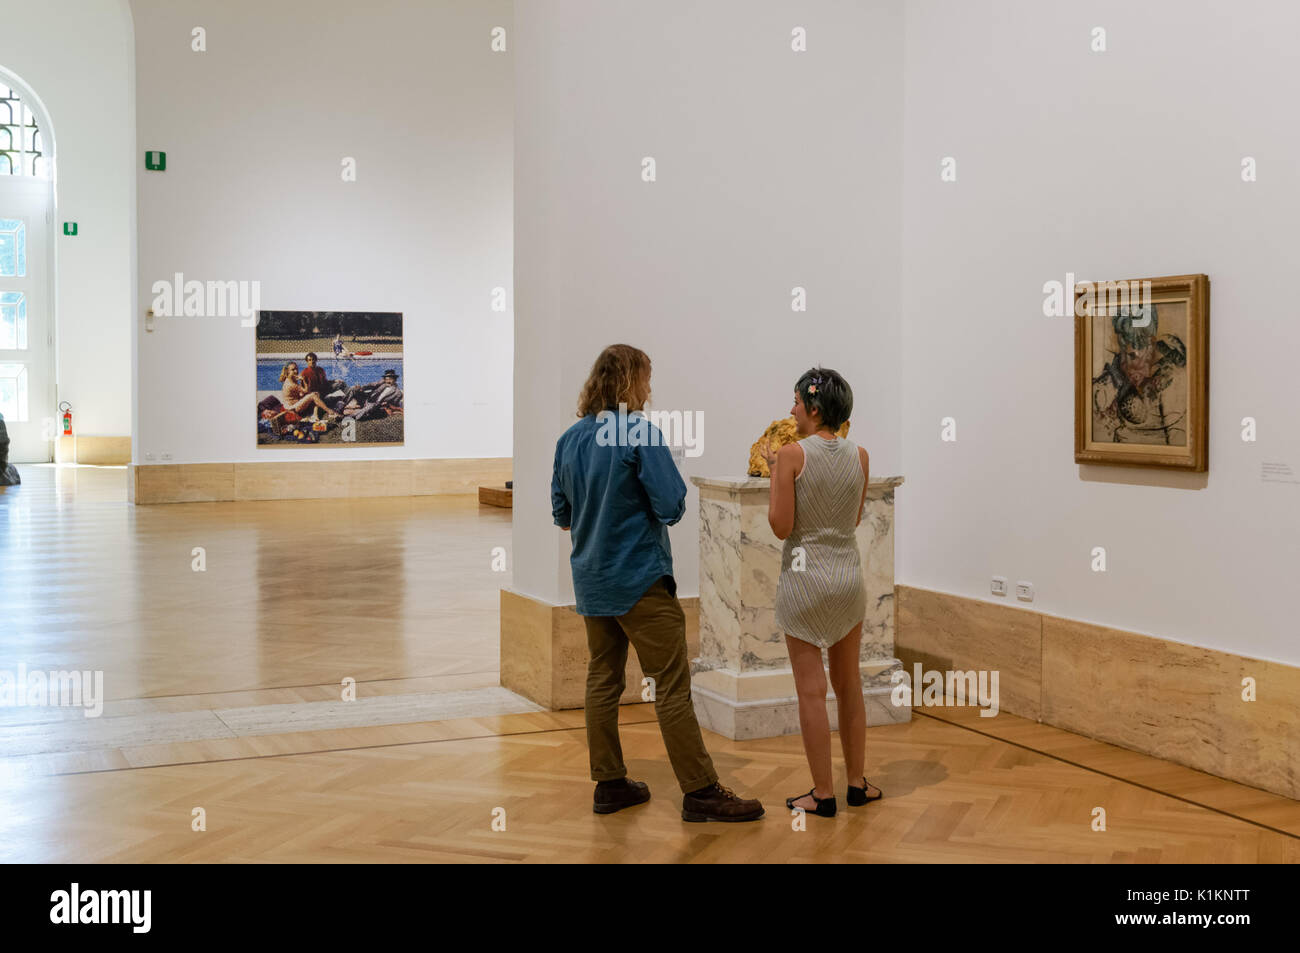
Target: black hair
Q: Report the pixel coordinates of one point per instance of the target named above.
(825, 391)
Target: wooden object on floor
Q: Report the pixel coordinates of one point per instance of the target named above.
(496, 496)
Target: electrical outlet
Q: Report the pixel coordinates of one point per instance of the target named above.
(998, 586)
(166, 455)
(148, 454)
(1025, 591)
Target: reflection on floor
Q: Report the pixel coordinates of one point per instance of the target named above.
(291, 594)
(224, 692)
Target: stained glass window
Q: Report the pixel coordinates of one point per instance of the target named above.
(21, 147)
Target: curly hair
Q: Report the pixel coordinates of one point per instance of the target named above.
(284, 371)
(618, 377)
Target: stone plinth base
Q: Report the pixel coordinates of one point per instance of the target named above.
(764, 705)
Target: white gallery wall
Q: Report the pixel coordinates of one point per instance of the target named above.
(256, 130)
(1117, 164)
(77, 57)
(775, 169)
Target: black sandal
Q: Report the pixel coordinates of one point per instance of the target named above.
(858, 796)
(825, 805)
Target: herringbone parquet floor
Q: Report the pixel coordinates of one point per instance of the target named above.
(953, 795)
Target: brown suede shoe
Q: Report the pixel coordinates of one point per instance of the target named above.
(717, 803)
(613, 796)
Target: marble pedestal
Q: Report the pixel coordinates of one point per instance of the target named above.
(742, 682)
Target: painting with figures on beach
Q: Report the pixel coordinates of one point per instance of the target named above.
(330, 378)
(1142, 364)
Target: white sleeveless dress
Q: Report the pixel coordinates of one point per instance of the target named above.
(822, 602)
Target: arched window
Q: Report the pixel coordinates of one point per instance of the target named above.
(27, 385)
(21, 150)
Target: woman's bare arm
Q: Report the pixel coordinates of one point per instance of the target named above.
(780, 501)
(866, 479)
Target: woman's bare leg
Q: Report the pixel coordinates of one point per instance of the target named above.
(846, 680)
(810, 685)
(312, 400)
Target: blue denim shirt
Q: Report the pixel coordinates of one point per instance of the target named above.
(618, 498)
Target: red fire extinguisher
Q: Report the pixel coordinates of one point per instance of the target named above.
(67, 418)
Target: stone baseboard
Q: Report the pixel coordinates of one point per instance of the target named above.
(93, 451)
(312, 479)
(1178, 702)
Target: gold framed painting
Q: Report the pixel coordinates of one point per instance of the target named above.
(1142, 372)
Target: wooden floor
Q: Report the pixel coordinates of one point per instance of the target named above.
(296, 593)
(225, 698)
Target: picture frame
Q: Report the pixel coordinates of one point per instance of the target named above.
(1142, 372)
(329, 379)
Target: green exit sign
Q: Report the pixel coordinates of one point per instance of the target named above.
(155, 161)
(69, 228)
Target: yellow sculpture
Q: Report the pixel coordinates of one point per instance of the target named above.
(778, 435)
